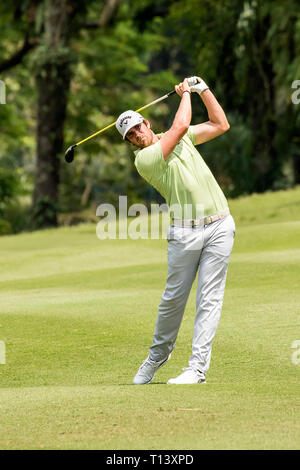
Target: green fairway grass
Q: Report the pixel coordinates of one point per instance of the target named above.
(77, 318)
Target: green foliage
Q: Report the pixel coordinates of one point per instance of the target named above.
(248, 52)
(249, 55)
(5, 227)
(13, 212)
(9, 188)
(112, 76)
(44, 213)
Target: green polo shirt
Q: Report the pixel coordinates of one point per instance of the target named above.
(184, 179)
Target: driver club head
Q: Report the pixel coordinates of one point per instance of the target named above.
(69, 155)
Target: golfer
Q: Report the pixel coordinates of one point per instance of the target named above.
(197, 245)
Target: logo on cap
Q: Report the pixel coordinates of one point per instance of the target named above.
(124, 120)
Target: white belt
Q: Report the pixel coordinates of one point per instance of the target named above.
(203, 221)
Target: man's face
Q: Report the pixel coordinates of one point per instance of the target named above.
(140, 135)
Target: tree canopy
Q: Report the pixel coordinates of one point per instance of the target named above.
(71, 67)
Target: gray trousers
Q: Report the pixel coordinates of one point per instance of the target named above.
(204, 250)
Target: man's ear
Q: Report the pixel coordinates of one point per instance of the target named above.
(148, 124)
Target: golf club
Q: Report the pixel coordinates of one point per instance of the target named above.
(69, 155)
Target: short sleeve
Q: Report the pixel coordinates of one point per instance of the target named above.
(149, 161)
(191, 134)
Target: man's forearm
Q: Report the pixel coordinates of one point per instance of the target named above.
(214, 109)
(184, 113)
(181, 121)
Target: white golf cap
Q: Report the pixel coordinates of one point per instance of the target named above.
(127, 120)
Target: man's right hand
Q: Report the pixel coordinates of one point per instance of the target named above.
(183, 86)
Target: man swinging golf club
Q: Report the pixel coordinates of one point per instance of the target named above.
(196, 245)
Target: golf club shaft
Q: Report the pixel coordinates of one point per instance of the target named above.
(138, 110)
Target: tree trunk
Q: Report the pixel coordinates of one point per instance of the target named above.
(52, 104)
(61, 21)
(266, 162)
(296, 167)
(52, 81)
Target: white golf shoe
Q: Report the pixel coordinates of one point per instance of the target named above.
(189, 376)
(148, 370)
